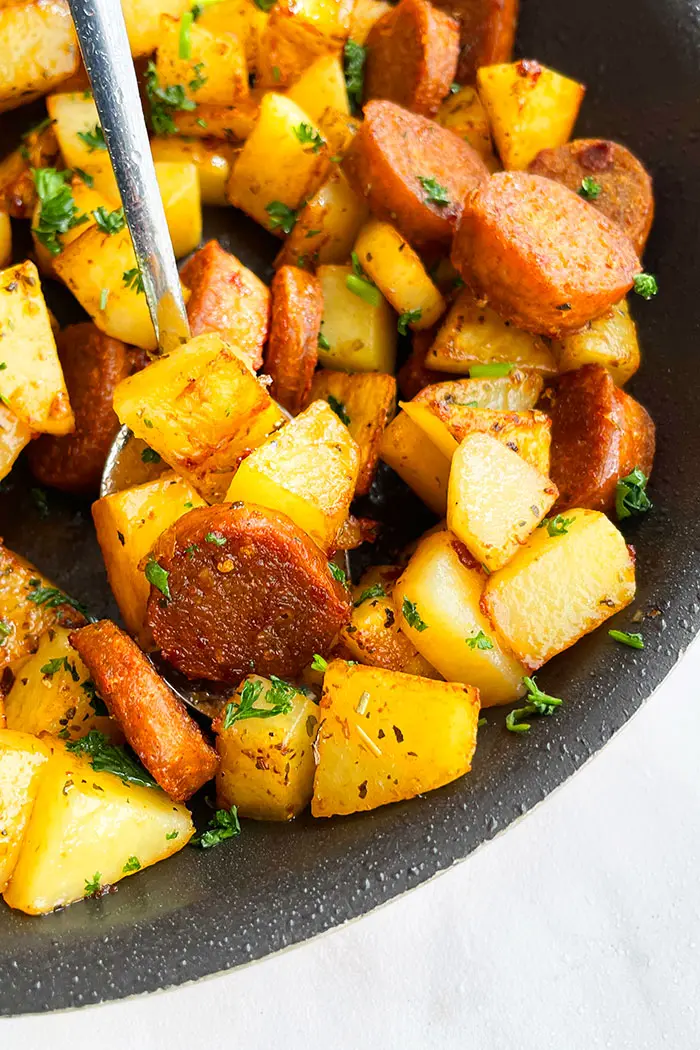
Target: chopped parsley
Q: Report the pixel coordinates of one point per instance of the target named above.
(149, 455)
(93, 886)
(375, 591)
(5, 631)
(339, 409)
(84, 177)
(412, 616)
(106, 757)
(635, 641)
(630, 495)
(58, 212)
(538, 703)
(93, 139)
(323, 342)
(589, 189)
(407, 318)
(354, 56)
(222, 826)
(479, 641)
(133, 279)
(492, 370)
(51, 597)
(104, 296)
(455, 87)
(559, 525)
(132, 864)
(157, 576)
(60, 663)
(109, 221)
(279, 696)
(281, 217)
(265, 5)
(172, 835)
(309, 136)
(184, 49)
(319, 664)
(646, 285)
(216, 538)
(434, 192)
(337, 573)
(165, 101)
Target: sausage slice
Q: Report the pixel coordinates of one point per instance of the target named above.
(413, 173)
(412, 56)
(487, 31)
(543, 258)
(625, 192)
(249, 592)
(292, 350)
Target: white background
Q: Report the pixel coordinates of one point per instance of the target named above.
(579, 927)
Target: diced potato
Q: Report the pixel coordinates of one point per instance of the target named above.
(464, 114)
(361, 337)
(39, 149)
(39, 49)
(230, 123)
(267, 764)
(611, 341)
(75, 114)
(212, 159)
(128, 523)
(95, 268)
(530, 108)
(560, 587)
(256, 185)
(52, 692)
(200, 407)
(87, 200)
(338, 129)
(387, 736)
(22, 759)
(437, 601)
(417, 460)
(14, 436)
(495, 499)
(364, 14)
(31, 378)
(142, 19)
(320, 86)
(179, 188)
(474, 334)
(398, 273)
(213, 70)
(308, 471)
(516, 392)
(88, 830)
(298, 31)
(243, 18)
(365, 403)
(327, 225)
(5, 239)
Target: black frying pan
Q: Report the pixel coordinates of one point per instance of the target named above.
(277, 885)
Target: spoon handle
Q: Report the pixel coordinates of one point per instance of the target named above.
(101, 32)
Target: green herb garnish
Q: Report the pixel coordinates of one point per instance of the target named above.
(172, 835)
(319, 664)
(52, 598)
(354, 56)
(92, 886)
(157, 576)
(412, 616)
(93, 139)
(589, 189)
(60, 663)
(58, 212)
(630, 495)
(216, 538)
(479, 641)
(149, 455)
(132, 864)
(281, 217)
(434, 192)
(337, 573)
(363, 288)
(309, 136)
(375, 591)
(407, 318)
(279, 696)
(40, 502)
(106, 757)
(184, 49)
(109, 221)
(164, 102)
(538, 703)
(559, 526)
(635, 641)
(323, 342)
(494, 369)
(646, 285)
(133, 279)
(222, 826)
(339, 409)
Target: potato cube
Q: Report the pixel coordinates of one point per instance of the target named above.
(179, 189)
(86, 200)
(230, 123)
(142, 19)
(308, 471)
(128, 523)
(212, 159)
(464, 114)
(364, 14)
(200, 407)
(14, 436)
(516, 392)
(320, 86)
(338, 129)
(210, 65)
(530, 108)
(39, 149)
(365, 403)
(22, 760)
(419, 462)
(495, 499)
(387, 736)
(77, 128)
(87, 830)
(267, 764)
(298, 31)
(40, 49)
(560, 586)
(610, 340)
(270, 193)
(399, 274)
(242, 18)
(327, 225)
(361, 336)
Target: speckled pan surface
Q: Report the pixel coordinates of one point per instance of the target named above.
(276, 886)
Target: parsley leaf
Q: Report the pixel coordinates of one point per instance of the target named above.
(149, 455)
(589, 189)
(215, 538)
(172, 835)
(375, 591)
(281, 217)
(363, 288)
(94, 139)
(559, 526)
(646, 285)
(157, 576)
(265, 5)
(58, 212)
(51, 597)
(480, 641)
(92, 886)
(279, 696)
(222, 826)
(354, 56)
(407, 318)
(539, 703)
(106, 757)
(339, 409)
(132, 864)
(434, 192)
(411, 615)
(319, 664)
(337, 573)
(630, 495)
(323, 342)
(109, 221)
(133, 279)
(165, 101)
(308, 136)
(635, 641)
(60, 663)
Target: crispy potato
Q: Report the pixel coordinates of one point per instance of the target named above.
(624, 189)
(228, 299)
(128, 523)
(298, 32)
(201, 408)
(487, 30)
(495, 499)
(464, 114)
(364, 15)
(365, 403)
(14, 436)
(327, 225)
(543, 258)
(610, 341)
(414, 374)
(307, 471)
(40, 49)
(320, 86)
(87, 200)
(31, 381)
(155, 721)
(474, 334)
(292, 351)
(392, 152)
(74, 114)
(212, 158)
(398, 272)
(559, 587)
(387, 736)
(441, 587)
(5, 239)
(143, 22)
(530, 108)
(178, 183)
(231, 124)
(213, 68)
(243, 18)
(599, 435)
(261, 189)
(361, 337)
(419, 462)
(412, 56)
(39, 149)
(338, 129)
(22, 761)
(88, 828)
(267, 764)
(517, 392)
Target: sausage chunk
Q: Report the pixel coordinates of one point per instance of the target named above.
(413, 173)
(292, 351)
(542, 257)
(227, 298)
(93, 365)
(412, 56)
(487, 31)
(249, 591)
(625, 194)
(599, 435)
(155, 722)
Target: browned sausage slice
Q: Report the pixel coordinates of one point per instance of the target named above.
(155, 723)
(626, 195)
(413, 173)
(249, 591)
(93, 365)
(599, 435)
(487, 31)
(292, 350)
(412, 56)
(543, 258)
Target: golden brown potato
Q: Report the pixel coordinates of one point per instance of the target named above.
(414, 374)
(17, 189)
(599, 435)
(413, 173)
(22, 758)
(609, 176)
(542, 257)
(423, 466)
(39, 49)
(326, 225)
(517, 392)
(412, 56)
(610, 340)
(487, 30)
(292, 350)
(232, 124)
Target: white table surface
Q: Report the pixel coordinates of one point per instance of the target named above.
(577, 928)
